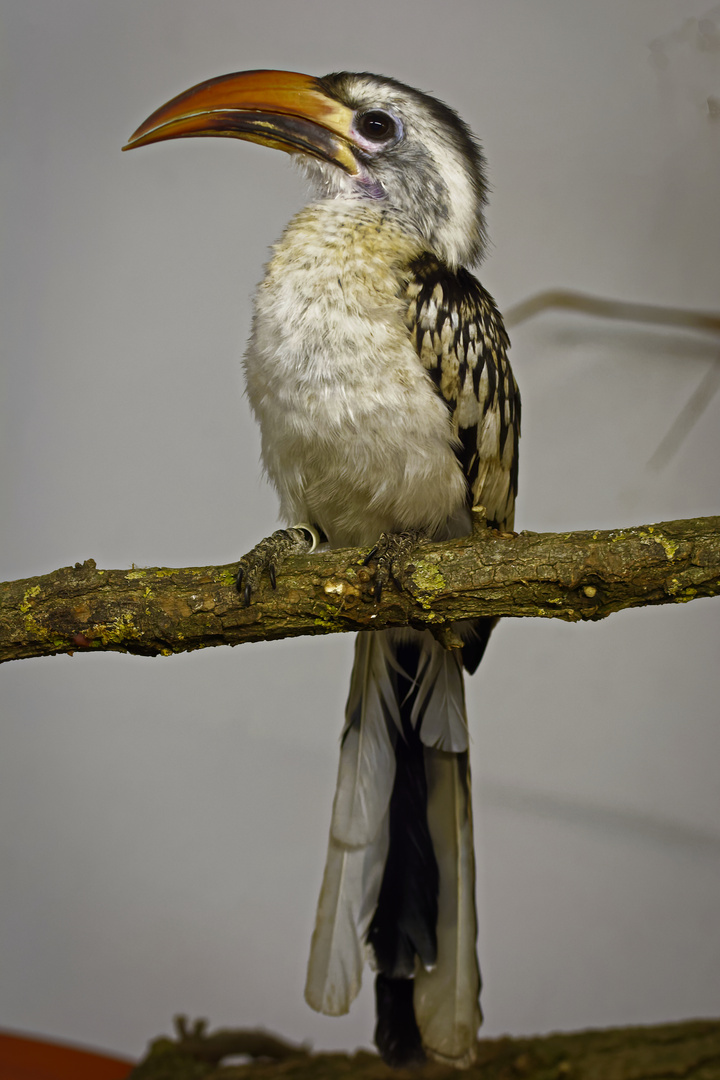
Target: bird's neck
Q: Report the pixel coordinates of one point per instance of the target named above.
(358, 238)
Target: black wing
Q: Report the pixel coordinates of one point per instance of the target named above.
(461, 341)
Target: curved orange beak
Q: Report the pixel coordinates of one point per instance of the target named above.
(283, 109)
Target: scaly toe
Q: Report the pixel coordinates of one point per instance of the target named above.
(267, 557)
(391, 554)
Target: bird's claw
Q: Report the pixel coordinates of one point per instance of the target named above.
(391, 554)
(268, 556)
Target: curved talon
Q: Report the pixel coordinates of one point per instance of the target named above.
(247, 594)
(271, 574)
(368, 558)
(239, 578)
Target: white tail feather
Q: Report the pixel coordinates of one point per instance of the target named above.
(367, 758)
(347, 901)
(446, 999)
(359, 838)
(442, 696)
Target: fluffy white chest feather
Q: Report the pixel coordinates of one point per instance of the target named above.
(355, 437)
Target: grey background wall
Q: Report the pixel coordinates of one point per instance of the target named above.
(163, 822)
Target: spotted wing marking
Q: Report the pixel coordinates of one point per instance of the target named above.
(461, 341)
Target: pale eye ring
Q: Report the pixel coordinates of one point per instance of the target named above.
(377, 126)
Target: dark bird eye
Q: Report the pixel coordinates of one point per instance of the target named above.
(376, 125)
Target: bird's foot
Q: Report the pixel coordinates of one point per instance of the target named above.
(270, 554)
(390, 555)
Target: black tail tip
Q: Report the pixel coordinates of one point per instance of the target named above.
(397, 1035)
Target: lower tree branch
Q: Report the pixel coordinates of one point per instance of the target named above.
(690, 1050)
(573, 576)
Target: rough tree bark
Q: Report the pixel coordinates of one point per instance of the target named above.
(572, 576)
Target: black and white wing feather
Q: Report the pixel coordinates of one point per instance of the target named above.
(462, 344)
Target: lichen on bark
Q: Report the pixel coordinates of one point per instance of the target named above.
(159, 611)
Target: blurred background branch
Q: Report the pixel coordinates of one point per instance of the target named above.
(704, 322)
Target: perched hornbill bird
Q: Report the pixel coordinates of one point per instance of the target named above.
(377, 370)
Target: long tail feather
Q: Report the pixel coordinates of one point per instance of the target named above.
(399, 884)
(358, 843)
(367, 760)
(446, 999)
(403, 926)
(347, 900)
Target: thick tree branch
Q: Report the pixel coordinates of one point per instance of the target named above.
(572, 576)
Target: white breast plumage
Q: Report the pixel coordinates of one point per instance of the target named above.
(355, 436)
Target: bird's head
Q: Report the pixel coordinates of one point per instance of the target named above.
(358, 136)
